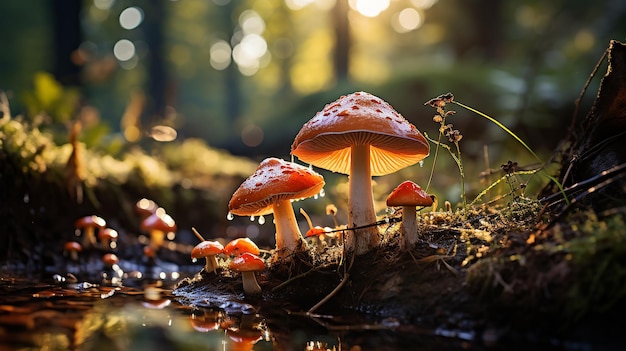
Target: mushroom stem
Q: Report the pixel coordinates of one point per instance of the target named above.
(211, 264)
(408, 227)
(250, 285)
(89, 238)
(361, 202)
(288, 236)
(156, 238)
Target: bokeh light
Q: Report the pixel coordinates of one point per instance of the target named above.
(103, 4)
(407, 20)
(220, 55)
(131, 18)
(369, 8)
(252, 135)
(124, 50)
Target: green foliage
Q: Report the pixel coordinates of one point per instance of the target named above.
(50, 97)
(597, 253)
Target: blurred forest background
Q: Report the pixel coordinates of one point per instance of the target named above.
(244, 75)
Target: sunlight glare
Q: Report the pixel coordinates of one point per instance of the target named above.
(369, 8)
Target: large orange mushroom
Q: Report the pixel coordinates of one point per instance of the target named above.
(270, 190)
(408, 195)
(362, 136)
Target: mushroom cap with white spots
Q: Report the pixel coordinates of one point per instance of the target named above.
(273, 181)
(360, 118)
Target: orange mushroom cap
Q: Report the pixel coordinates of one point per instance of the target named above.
(247, 262)
(273, 181)
(325, 141)
(317, 231)
(409, 194)
(163, 222)
(108, 233)
(90, 221)
(241, 245)
(207, 248)
(145, 207)
(72, 246)
(110, 259)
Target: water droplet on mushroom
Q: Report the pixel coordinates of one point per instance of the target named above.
(230, 216)
(322, 193)
(261, 220)
(194, 260)
(251, 218)
(421, 163)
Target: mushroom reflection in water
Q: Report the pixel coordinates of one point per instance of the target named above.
(270, 190)
(362, 136)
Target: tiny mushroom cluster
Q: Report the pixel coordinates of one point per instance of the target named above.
(363, 136)
(244, 258)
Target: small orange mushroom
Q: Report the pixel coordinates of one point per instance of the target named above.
(240, 245)
(108, 238)
(157, 225)
(88, 225)
(72, 248)
(207, 250)
(408, 195)
(247, 264)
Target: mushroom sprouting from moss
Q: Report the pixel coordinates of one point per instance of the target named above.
(270, 190)
(247, 264)
(408, 195)
(362, 136)
(208, 250)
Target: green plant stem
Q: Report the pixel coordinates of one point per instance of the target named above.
(457, 159)
(503, 127)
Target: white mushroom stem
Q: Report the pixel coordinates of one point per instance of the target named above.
(250, 285)
(211, 264)
(361, 203)
(408, 227)
(288, 236)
